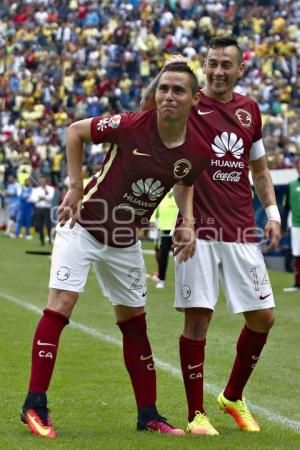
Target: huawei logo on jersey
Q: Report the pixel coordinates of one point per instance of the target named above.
(228, 143)
(152, 188)
(244, 117)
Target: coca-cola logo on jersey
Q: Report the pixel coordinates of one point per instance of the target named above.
(229, 145)
(232, 177)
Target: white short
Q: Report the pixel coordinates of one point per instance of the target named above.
(239, 267)
(120, 271)
(295, 241)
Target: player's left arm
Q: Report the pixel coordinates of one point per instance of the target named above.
(184, 236)
(265, 191)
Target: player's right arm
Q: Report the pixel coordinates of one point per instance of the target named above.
(78, 133)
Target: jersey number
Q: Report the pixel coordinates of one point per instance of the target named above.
(255, 279)
(136, 274)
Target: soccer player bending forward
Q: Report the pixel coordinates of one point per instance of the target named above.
(150, 153)
(226, 244)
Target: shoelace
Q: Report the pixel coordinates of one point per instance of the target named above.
(163, 424)
(43, 414)
(243, 409)
(201, 418)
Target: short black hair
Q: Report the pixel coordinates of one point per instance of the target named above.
(226, 41)
(184, 68)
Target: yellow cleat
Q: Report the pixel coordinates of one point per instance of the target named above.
(239, 411)
(201, 425)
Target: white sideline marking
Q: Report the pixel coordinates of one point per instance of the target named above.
(211, 388)
(148, 252)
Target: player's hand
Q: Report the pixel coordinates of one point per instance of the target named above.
(184, 242)
(175, 59)
(70, 206)
(273, 234)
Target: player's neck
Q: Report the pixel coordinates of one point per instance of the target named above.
(172, 134)
(224, 98)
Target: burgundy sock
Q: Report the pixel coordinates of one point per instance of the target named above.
(297, 270)
(138, 360)
(44, 349)
(192, 361)
(249, 348)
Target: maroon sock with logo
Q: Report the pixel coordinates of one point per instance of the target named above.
(249, 348)
(138, 360)
(44, 349)
(297, 270)
(192, 360)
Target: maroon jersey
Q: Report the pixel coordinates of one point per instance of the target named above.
(223, 196)
(137, 173)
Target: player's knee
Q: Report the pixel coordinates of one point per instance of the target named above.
(196, 323)
(270, 321)
(62, 301)
(196, 328)
(260, 321)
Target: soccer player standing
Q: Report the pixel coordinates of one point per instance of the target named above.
(150, 152)
(226, 245)
(292, 203)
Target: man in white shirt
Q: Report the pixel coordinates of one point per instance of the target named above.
(42, 197)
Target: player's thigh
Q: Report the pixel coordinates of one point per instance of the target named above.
(295, 241)
(196, 280)
(245, 277)
(71, 258)
(122, 276)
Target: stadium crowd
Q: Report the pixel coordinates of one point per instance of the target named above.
(64, 60)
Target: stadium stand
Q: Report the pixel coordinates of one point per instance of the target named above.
(63, 60)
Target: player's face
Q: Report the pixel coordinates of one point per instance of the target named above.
(174, 97)
(222, 68)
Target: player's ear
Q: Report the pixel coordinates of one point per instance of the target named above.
(204, 66)
(241, 70)
(196, 99)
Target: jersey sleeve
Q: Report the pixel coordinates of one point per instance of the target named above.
(106, 129)
(257, 150)
(257, 121)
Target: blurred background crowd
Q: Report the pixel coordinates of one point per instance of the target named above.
(65, 60)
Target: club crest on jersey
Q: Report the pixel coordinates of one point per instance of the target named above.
(112, 122)
(186, 291)
(63, 273)
(182, 168)
(244, 117)
(152, 188)
(228, 143)
(132, 210)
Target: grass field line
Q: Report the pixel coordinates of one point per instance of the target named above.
(211, 388)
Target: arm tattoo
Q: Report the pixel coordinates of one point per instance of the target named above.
(264, 190)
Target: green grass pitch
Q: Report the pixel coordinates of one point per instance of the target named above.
(91, 401)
